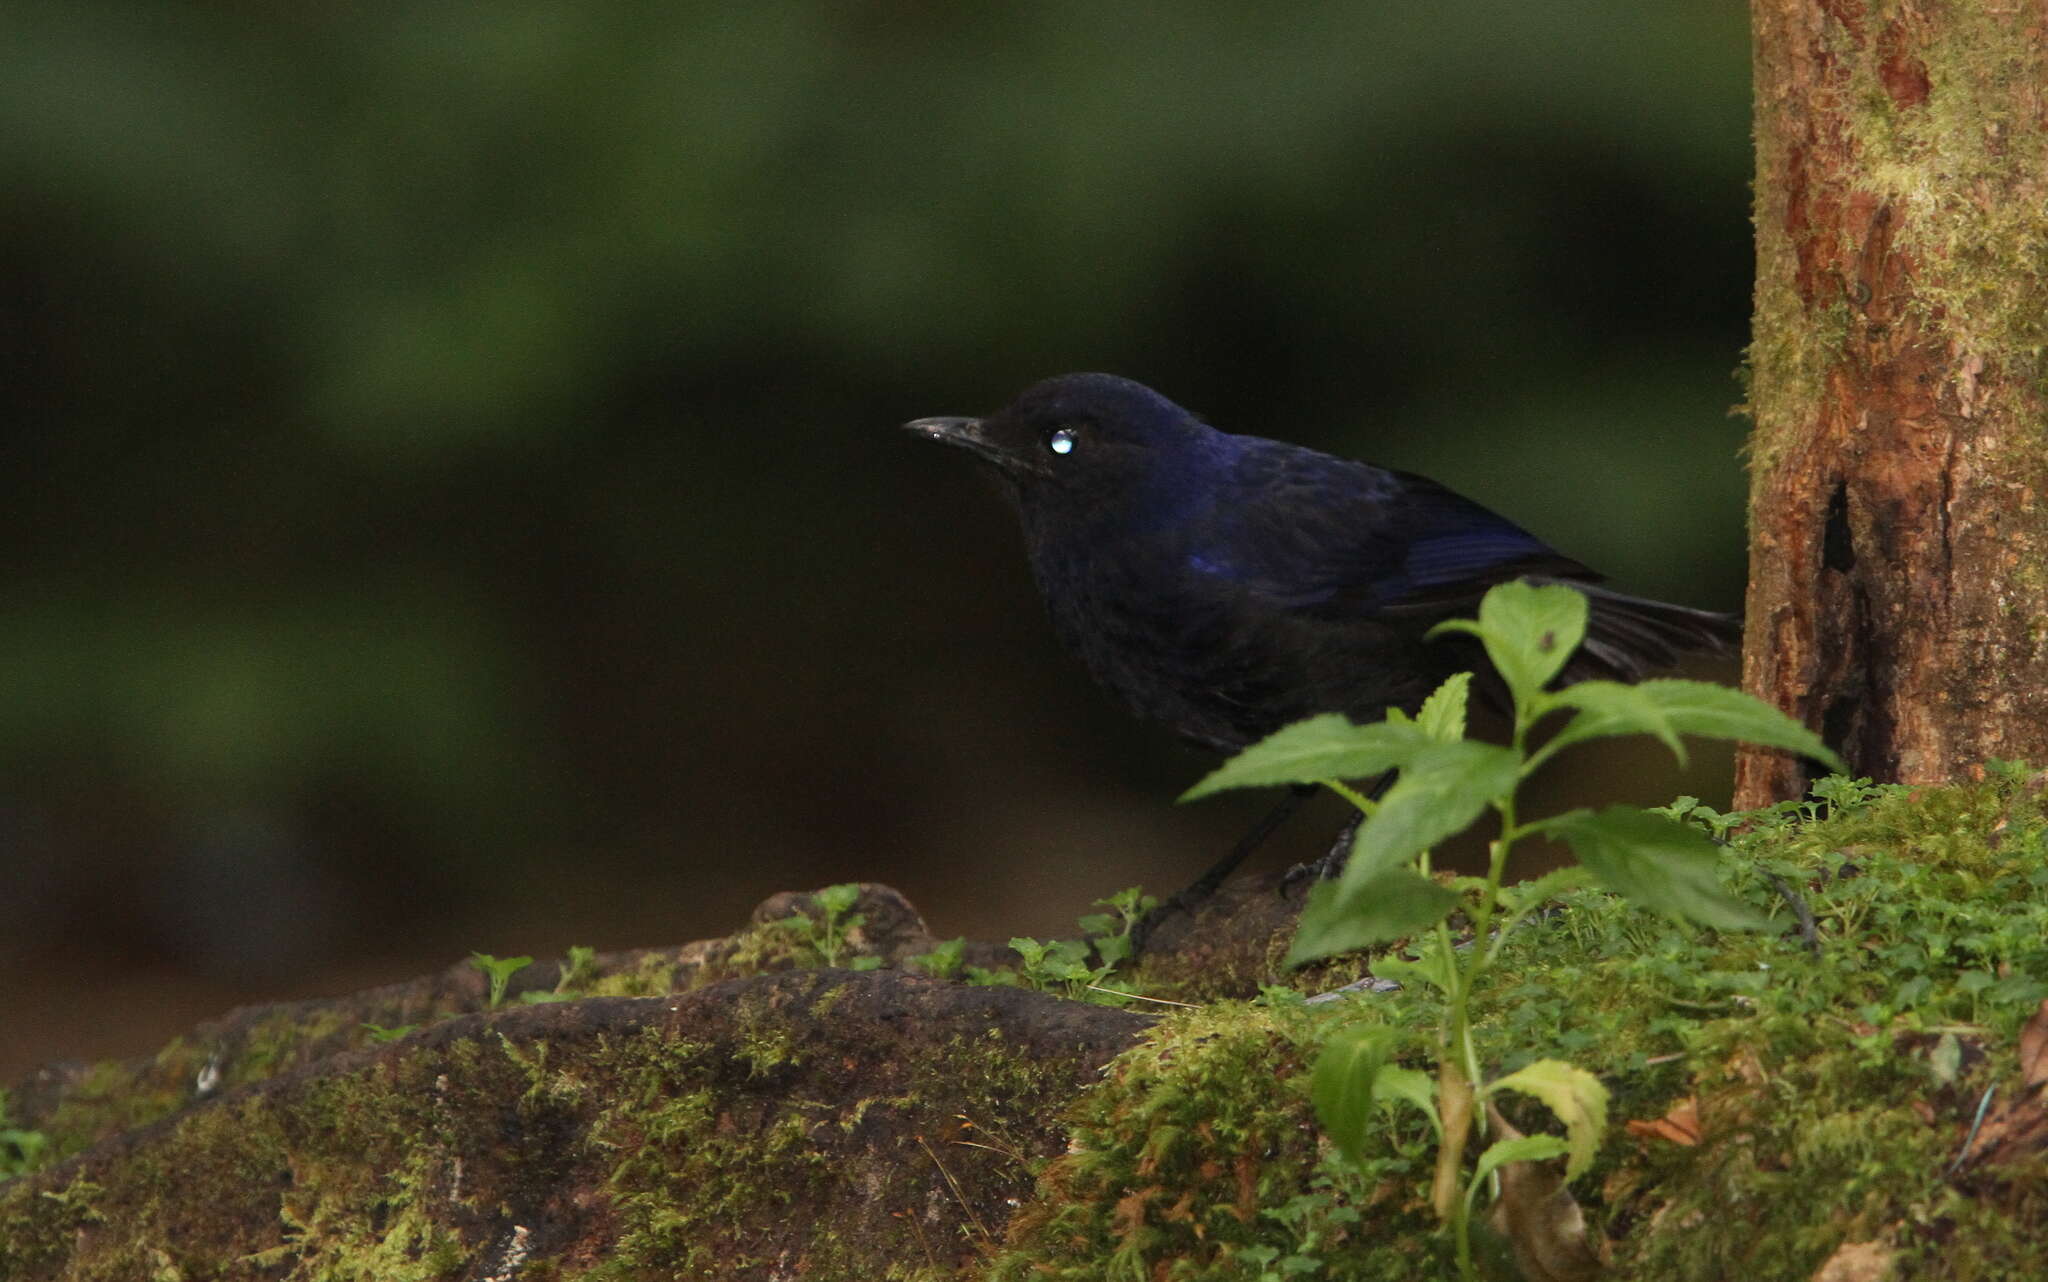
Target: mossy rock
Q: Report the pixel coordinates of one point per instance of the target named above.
(1804, 1104)
(818, 1123)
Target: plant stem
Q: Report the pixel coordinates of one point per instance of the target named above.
(1458, 1076)
(1454, 1106)
(1366, 805)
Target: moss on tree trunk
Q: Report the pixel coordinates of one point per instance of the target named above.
(1898, 596)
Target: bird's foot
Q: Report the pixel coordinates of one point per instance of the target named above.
(1330, 865)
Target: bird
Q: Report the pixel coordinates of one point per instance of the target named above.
(1224, 586)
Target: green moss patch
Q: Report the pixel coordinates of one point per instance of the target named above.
(1833, 1087)
(813, 1124)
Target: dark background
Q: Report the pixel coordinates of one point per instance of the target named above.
(449, 495)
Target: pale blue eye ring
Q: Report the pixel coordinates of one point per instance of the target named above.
(1061, 441)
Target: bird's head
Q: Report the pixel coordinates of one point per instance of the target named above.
(1077, 433)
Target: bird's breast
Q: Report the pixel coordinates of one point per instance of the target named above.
(1165, 631)
(1185, 636)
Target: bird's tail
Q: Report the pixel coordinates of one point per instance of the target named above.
(1628, 638)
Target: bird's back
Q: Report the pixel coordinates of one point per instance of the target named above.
(1264, 584)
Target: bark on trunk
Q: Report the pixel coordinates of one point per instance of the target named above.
(1898, 591)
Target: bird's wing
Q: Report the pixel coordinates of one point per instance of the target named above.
(1335, 539)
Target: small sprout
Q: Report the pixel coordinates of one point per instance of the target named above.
(826, 933)
(499, 970)
(943, 961)
(578, 969)
(21, 1151)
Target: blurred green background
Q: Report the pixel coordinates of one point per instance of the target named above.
(451, 492)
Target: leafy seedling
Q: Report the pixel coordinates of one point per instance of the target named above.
(1446, 782)
(499, 971)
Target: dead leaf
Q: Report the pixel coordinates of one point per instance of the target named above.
(1247, 1188)
(1857, 1262)
(1129, 1215)
(2008, 1132)
(1540, 1219)
(2034, 1048)
(2019, 1126)
(1681, 1125)
(1454, 1107)
(1945, 1061)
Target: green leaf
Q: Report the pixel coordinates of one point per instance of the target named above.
(1393, 906)
(1945, 1061)
(1111, 951)
(835, 900)
(1396, 1084)
(1341, 1086)
(499, 971)
(1528, 631)
(1442, 717)
(1611, 708)
(1658, 862)
(1721, 712)
(1575, 1095)
(1439, 793)
(1668, 706)
(1324, 747)
(943, 961)
(1550, 885)
(1525, 1148)
(1429, 969)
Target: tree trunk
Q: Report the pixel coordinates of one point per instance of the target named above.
(1898, 587)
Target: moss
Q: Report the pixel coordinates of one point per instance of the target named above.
(784, 944)
(1198, 1157)
(1961, 170)
(695, 1168)
(808, 1127)
(1234, 949)
(108, 1099)
(780, 1142)
(1828, 1109)
(39, 1235)
(649, 975)
(279, 1042)
(1964, 168)
(368, 1174)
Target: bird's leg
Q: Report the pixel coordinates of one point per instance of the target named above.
(1332, 863)
(1206, 884)
(1333, 860)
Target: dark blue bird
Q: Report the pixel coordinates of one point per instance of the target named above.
(1225, 586)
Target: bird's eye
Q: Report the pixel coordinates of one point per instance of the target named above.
(1062, 440)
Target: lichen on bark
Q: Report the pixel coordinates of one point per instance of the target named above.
(1898, 594)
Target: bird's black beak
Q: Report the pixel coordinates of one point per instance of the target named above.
(963, 432)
